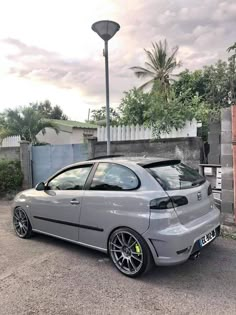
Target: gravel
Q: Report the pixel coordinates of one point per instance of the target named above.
(43, 275)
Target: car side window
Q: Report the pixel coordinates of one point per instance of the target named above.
(73, 179)
(109, 176)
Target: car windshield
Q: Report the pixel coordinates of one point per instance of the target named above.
(176, 176)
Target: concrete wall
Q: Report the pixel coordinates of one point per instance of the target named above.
(10, 153)
(227, 166)
(186, 149)
(233, 108)
(214, 140)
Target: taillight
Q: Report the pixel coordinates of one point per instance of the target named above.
(209, 191)
(161, 203)
(168, 202)
(179, 201)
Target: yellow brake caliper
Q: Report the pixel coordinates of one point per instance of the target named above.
(137, 249)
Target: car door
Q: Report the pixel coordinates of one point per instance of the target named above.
(56, 210)
(113, 199)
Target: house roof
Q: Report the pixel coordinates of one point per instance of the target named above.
(73, 124)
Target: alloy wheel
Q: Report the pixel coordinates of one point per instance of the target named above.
(21, 222)
(126, 252)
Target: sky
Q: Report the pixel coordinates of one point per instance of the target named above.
(48, 50)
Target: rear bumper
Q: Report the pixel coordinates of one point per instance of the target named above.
(197, 247)
(175, 244)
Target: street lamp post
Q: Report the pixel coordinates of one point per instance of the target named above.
(106, 30)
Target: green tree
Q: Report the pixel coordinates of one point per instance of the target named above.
(25, 122)
(217, 85)
(211, 84)
(159, 66)
(98, 116)
(133, 107)
(11, 176)
(194, 81)
(232, 73)
(47, 110)
(164, 114)
(155, 110)
(198, 94)
(233, 47)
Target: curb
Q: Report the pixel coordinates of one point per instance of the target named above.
(228, 231)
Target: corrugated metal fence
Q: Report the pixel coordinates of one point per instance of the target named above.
(48, 159)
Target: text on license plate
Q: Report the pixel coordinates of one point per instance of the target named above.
(207, 238)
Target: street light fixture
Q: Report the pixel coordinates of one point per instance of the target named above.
(106, 30)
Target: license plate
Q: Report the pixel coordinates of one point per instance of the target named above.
(207, 238)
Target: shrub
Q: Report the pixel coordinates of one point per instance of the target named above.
(11, 176)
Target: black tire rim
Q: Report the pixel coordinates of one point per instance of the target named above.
(20, 222)
(126, 252)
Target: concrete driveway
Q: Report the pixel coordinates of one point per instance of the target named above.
(48, 276)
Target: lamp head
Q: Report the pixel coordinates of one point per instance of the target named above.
(106, 29)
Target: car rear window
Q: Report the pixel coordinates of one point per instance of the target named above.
(176, 176)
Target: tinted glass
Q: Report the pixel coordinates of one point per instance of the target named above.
(177, 176)
(110, 176)
(73, 179)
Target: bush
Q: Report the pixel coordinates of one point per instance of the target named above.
(11, 176)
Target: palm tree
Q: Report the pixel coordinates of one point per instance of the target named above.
(25, 122)
(159, 66)
(233, 47)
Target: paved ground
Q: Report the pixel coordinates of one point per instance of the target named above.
(48, 276)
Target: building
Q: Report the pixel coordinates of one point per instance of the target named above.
(70, 132)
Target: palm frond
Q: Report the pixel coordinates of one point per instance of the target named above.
(4, 133)
(159, 64)
(141, 72)
(231, 47)
(151, 66)
(152, 59)
(50, 124)
(146, 84)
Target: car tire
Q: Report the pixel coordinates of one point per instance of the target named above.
(129, 252)
(21, 223)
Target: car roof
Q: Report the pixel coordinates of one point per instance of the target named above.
(142, 161)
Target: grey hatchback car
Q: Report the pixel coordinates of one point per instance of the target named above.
(139, 211)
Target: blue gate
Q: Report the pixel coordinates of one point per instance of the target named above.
(48, 159)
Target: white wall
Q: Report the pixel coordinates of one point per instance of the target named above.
(122, 133)
(53, 138)
(64, 137)
(78, 135)
(13, 141)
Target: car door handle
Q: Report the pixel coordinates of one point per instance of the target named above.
(74, 202)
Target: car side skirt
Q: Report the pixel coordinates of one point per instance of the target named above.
(104, 250)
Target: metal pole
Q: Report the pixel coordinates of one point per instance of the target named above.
(107, 99)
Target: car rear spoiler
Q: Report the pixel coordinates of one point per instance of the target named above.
(102, 157)
(159, 163)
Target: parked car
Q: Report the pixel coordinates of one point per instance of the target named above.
(139, 211)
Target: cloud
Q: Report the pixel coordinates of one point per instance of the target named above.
(87, 75)
(35, 63)
(202, 30)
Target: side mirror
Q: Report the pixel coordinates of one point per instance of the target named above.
(40, 186)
